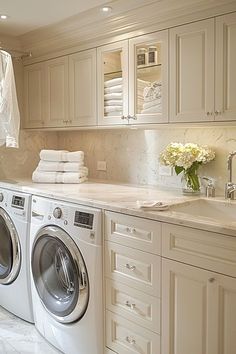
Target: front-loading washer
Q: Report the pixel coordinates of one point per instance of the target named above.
(66, 266)
(15, 289)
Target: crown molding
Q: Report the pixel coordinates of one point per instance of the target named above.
(128, 19)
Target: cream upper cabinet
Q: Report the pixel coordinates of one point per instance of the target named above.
(57, 94)
(148, 78)
(192, 72)
(133, 80)
(198, 310)
(225, 101)
(34, 99)
(112, 83)
(82, 88)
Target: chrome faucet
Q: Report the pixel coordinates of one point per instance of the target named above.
(230, 187)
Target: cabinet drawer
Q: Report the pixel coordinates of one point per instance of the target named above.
(134, 268)
(134, 305)
(125, 337)
(134, 232)
(204, 249)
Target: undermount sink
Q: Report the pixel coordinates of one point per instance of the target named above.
(221, 211)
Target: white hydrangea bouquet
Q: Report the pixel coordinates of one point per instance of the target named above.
(187, 158)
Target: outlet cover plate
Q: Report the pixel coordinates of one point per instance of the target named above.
(101, 165)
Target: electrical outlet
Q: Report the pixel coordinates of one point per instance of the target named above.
(101, 165)
(165, 170)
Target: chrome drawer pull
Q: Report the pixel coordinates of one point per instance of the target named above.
(131, 306)
(132, 230)
(128, 266)
(130, 340)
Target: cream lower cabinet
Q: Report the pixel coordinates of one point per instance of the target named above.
(133, 284)
(198, 311)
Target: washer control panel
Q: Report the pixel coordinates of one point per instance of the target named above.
(57, 213)
(83, 219)
(18, 202)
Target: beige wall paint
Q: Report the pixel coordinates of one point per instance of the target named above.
(132, 155)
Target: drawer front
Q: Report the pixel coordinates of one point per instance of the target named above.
(204, 249)
(134, 268)
(125, 337)
(134, 232)
(134, 305)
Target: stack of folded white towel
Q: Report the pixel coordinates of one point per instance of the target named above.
(60, 166)
(141, 86)
(113, 97)
(152, 95)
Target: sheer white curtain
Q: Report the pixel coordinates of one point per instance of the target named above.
(9, 111)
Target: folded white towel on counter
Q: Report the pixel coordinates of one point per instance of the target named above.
(58, 177)
(113, 82)
(108, 109)
(152, 205)
(113, 103)
(61, 155)
(113, 96)
(50, 166)
(117, 88)
(153, 109)
(149, 104)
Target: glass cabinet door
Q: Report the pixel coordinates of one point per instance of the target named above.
(148, 86)
(113, 83)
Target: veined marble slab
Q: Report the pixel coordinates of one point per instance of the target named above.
(122, 198)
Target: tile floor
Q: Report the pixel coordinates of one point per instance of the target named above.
(20, 337)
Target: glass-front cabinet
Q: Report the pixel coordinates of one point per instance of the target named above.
(133, 80)
(112, 71)
(148, 78)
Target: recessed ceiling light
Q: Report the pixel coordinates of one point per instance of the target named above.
(3, 17)
(106, 9)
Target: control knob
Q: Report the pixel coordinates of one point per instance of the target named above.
(1, 196)
(57, 213)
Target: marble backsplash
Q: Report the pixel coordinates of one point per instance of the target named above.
(132, 154)
(19, 163)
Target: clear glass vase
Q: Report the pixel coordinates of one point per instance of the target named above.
(190, 184)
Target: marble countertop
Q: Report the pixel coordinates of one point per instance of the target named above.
(122, 198)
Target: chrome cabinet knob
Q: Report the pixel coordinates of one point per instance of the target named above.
(130, 340)
(130, 305)
(57, 213)
(1, 197)
(217, 113)
(211, 280)
(130, 267)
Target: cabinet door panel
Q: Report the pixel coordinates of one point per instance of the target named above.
(57, 92)
(148, 79)
(112, 83)
(34, 90)
(225, 67)
(227, 316)
(187, 324)
(82, 76)
(192, 72)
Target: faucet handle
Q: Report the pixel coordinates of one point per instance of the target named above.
(210, 188)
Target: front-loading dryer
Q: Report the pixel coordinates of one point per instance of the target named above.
(66, 265)
(15, 290)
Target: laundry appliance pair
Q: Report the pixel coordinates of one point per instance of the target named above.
(51, 269)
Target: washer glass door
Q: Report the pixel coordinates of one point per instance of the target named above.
(60, 275)
(9, 250)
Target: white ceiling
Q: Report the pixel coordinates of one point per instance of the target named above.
(28, 15)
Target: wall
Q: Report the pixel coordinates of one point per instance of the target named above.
(132, 155)
(19, 163)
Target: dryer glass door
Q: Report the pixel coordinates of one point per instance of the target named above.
(9, 250)
(60, 275)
